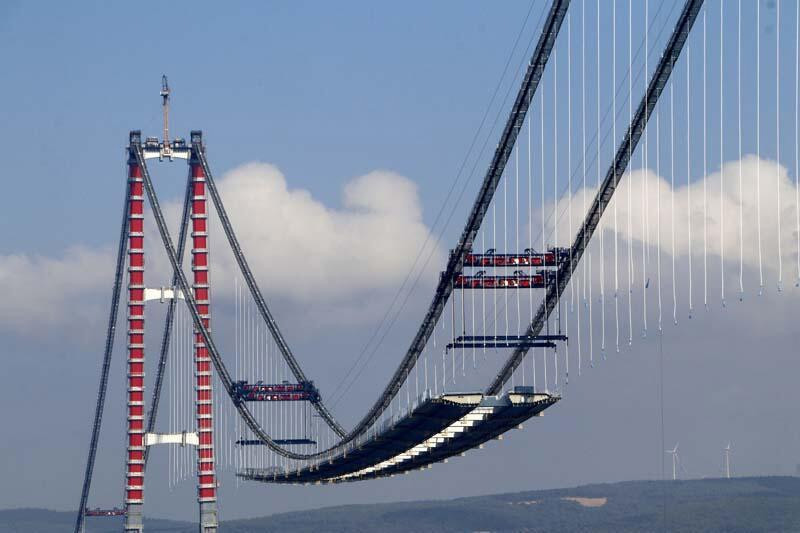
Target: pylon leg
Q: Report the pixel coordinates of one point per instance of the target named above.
(206, 475)
(134, 475)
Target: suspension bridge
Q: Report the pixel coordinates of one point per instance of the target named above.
(240, 399)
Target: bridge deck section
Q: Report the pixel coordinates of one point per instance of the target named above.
(438, 428)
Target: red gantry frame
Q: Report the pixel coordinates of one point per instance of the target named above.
(529, 258)
(280, 392)
(518, 280)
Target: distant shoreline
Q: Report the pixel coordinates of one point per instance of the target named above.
(767, 503)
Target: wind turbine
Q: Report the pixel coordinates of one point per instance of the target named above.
(674, 453)
(727, 452)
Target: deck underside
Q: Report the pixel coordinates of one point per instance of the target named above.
(437, 429)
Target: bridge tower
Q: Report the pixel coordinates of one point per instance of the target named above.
(138, 439)
(140, 434)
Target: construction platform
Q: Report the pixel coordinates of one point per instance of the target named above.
(436, 429)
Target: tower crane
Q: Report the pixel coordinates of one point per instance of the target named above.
(165, 109)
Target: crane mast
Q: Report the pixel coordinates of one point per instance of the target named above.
(165, 107)
(165, 110)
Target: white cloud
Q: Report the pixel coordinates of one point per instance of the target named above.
(299, 249)
(686, 206)
(40, 292)
(324, 258)
(303, 250)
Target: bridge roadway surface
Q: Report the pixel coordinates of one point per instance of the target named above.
(436, 429)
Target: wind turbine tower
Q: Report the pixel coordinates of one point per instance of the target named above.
(728, 460)
(674, 453)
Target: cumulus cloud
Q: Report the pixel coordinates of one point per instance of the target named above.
(767, 194)
(40, 292)
(299, 249)
(308, 253)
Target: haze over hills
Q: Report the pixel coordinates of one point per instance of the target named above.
(708, 505)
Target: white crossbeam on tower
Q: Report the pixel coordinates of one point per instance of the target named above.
(184, 438)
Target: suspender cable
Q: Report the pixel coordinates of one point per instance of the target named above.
(483, 290)
(672, 197)
(583, 158)
(453, 335)
(505, 241)
(171, 404)
(444, 373)
(530, 242)
(474, 363)
(543, 232)
(658, 219)
(555, 164)
(591, 320)
(721, 158)
(777, 128)
(616, 176)
(797, 134)
(463, 332)
(630, 188)
(645, 189)
(425, 357)
(555, 193)
(516, 212)
(602, 229)
(569, 141)
(605, 193)
(739, 130)
(705, 174)
(758, 145)
(689, 168)
(569, 181)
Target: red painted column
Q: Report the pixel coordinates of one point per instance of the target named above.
(134, 474)
(206, 474)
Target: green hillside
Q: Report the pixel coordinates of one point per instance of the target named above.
(735, 505)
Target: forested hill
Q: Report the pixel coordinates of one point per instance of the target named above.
(719, 505)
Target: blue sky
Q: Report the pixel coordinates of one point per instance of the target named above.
(323, 91)
(328, 93)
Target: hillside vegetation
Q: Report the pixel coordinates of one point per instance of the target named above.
(709, 505)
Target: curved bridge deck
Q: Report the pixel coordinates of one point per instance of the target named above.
(438, 428)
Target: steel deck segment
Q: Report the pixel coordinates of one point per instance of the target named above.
(499, 344)
(104, 512)
(455, 430)
(282, 442)
(499, 422)
(489, 338)
(504, 416)
(426, 420)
